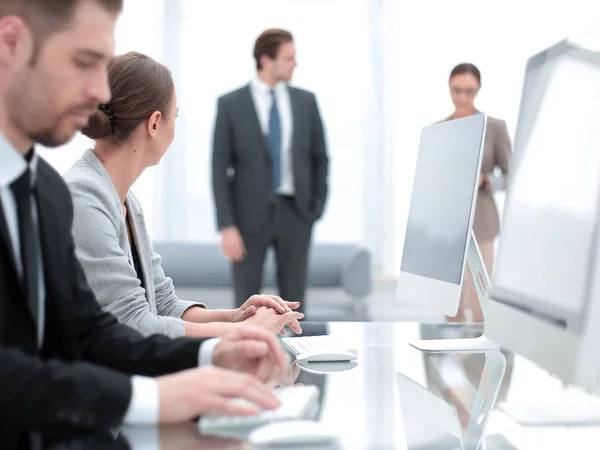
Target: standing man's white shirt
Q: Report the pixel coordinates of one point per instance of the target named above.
(263, 101)
(144, 405)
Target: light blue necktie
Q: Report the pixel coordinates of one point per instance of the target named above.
(274, 142)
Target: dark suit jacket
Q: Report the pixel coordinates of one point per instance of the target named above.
(80, 378)
(243, 195)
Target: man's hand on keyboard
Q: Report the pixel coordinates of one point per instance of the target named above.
(271, 320)
(188, 394)
(251, 350)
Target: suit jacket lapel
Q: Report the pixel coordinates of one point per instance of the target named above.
(6, 241)
(47, 222)
(137, 219)
(59, 318)
(249, 110)
(5, 237)
(52, 260)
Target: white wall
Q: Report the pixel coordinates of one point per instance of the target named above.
(216, 41)
(333, 53)
(429, 37)
(139, 29)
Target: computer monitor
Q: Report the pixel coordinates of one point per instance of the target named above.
(545, 295)
(438, 232)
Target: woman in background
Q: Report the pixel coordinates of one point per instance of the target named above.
(465, 82)
(133, 132)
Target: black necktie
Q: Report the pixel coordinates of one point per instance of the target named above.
(29, 241)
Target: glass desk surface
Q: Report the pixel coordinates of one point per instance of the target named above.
(396, 397)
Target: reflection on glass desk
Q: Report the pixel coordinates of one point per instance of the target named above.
(394, 397)
(449, 411)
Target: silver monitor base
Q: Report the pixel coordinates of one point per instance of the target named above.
(482, 283)
(480, 344)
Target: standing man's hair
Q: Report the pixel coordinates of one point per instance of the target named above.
(268, 43)
(44, 17)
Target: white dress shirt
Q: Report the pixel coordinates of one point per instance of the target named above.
(144, 405)
(263, 101)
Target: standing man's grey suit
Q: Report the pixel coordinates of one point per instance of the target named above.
(269, 201)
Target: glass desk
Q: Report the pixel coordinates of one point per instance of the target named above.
(396, 397)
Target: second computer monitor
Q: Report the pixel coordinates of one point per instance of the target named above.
(545, 296)
(441, 214)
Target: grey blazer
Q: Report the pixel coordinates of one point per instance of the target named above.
(241, 163)
(102, 247)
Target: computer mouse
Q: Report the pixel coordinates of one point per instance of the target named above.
(319, 356)
(297, 433)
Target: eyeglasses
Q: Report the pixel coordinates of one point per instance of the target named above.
(470, 92)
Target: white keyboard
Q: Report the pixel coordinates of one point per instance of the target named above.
(297, 402)
(318, 349)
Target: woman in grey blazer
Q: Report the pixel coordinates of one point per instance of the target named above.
(465, 82)
(133, 132)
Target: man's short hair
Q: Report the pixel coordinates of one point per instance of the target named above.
(268, 43)
(44, 17)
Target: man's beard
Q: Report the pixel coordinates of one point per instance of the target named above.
(50, 137)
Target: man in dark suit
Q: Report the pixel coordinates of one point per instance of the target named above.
(269, 171)
(64, 363)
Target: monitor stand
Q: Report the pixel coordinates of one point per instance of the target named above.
(482, 286)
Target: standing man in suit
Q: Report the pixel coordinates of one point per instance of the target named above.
(64, 363)
(269, 171)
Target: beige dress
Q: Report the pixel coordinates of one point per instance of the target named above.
(496, 153)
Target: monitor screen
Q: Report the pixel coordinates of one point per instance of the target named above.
(550, 219)
(446, 177)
